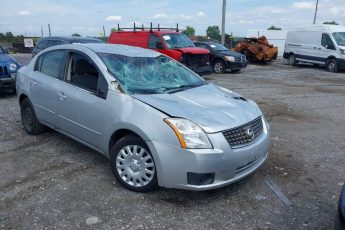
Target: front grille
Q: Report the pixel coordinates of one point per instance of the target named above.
(3, 71)
(196, 60)
(244, 134)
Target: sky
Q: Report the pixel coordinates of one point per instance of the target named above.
(87, 17)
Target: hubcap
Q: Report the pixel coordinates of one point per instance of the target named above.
(331, 66)
(218, 67)
(28, 116)
(135, 165)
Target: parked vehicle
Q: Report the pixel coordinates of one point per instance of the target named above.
(46, 42)
(222, 59)
(157, 121)
(170, 42)
(340, 218)
(320, 45)
(8, 70)
(257, 49)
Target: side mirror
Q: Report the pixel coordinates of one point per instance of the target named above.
(102, 89)
(159, 45)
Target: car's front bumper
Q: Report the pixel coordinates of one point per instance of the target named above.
(235, 65)
(226, 164)
(8, 82)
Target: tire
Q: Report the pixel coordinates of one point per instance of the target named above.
(332, 66)
(29, 119)
(292, 60)
(219, 66)
(235, 70)
(128, 157)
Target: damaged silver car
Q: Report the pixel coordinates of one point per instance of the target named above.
(159, 123)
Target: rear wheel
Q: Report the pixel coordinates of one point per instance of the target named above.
(292, 60)
(219, 66)
(132, 164)
(29, 119)
(332, 66)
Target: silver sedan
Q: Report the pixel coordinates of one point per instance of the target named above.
(159, 123)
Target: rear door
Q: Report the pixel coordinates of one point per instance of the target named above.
(44, 84)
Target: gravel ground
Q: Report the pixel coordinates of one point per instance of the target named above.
(52, 182)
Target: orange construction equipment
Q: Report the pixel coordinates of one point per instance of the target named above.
(257, 49)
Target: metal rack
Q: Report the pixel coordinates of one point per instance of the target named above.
(142, 28)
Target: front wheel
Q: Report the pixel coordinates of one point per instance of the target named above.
(219, 66)
(332, 66)
(29, 119)
(132, 164)
(292, 60)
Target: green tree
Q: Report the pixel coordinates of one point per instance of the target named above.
(2, 35)
(115, 29)
(9, 35)
(190, 31)
(213, 32)
(76, 35)
(274, 28)
(331, 23)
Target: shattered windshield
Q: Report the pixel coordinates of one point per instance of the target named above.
(177, 41)
(339, 37)
(218, 47)
(150, 75)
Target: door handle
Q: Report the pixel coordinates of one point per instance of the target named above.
(62, 96)
(34, 83)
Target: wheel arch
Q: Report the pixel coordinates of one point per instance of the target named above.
(118, 134)
(22, 97)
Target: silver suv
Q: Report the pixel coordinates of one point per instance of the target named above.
(158, 122)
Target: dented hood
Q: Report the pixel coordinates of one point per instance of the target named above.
(193, 50)
(209, 106)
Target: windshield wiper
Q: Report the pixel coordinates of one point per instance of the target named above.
(182, 88)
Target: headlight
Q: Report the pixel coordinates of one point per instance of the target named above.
(342, 51)
(190, 135)
(229, 58)
(13, 66)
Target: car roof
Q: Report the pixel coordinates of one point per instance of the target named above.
(125, 50)
(208, 43)
(69, 38)
(155, 31)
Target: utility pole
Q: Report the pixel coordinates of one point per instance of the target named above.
(317, 3)
(223, 22)
(41, 32)
(49, 30)
(103, 32)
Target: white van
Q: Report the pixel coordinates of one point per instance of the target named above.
(318, 44)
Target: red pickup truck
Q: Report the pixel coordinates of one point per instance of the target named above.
(170, 42)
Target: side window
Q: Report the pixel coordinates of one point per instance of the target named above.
(50, 63)
(42, 44)
(60, 42)
(327, 42)
(82, 72)
(155, 42)
(52, 43)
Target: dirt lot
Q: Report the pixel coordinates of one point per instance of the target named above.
(50, 181)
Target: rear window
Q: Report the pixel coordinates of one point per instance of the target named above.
(50, 63)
